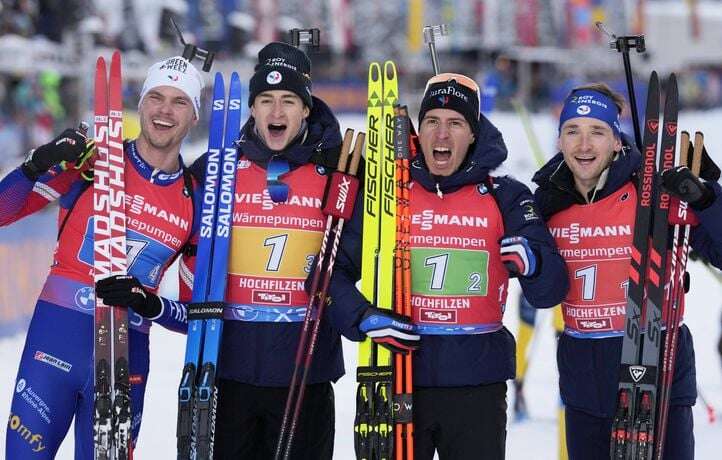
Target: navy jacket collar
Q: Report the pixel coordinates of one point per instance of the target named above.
(153, 175)
(323, 132)
(556, 174)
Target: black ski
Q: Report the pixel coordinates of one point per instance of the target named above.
(643, 434)
(631, 373)
(633, 429)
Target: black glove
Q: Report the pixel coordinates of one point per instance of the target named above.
(680, 182)
(71, 145)
(390, 330)
(126, 291)
(709, 170)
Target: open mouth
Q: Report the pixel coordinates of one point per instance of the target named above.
(442, 155)
(276, 130)
(585, 161)
(162, 125)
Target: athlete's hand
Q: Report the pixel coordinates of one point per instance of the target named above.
(71, 145)
(518, 256)
(126, 291)
(680, 182)
(390, 330)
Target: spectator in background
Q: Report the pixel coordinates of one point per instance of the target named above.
(18, 17)
(499, 85)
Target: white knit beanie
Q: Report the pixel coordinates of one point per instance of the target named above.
(176, 72)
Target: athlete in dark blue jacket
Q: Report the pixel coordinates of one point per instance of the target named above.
(286, 151)
(585, 195)
(469, 233)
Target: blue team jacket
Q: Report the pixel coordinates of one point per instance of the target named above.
(250, 351)
(459, 360)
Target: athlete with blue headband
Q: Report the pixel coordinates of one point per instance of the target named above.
(589, 135)
(592, 104)
(587, 194)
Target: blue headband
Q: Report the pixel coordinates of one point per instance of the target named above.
(590, 103)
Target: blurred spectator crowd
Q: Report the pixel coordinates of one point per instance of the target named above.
(36, 101)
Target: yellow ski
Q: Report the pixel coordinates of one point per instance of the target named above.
(373, 425)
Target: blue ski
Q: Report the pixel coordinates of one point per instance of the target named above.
(196, 395)
(204, 418)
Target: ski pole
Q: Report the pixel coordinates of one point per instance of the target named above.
(318, 296)
(711, 415)
(403, 378)
(672, 312)
(305, 329)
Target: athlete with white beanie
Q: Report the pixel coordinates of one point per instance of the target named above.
(55, 383)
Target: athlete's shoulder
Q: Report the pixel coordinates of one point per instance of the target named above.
(508, 184)
(515, 201)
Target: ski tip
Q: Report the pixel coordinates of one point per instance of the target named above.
(218, 79)
(115, 59)
(390, 70)
(235, 84)
(672, 81)
(100, 64)
(374, 71)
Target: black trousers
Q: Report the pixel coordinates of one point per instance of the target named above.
(460, 422)
(248, 421)
(588, 436)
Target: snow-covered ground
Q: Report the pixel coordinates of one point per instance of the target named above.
(535, 438)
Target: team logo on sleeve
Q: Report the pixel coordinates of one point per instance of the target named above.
(529, 210)
(85, 298)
